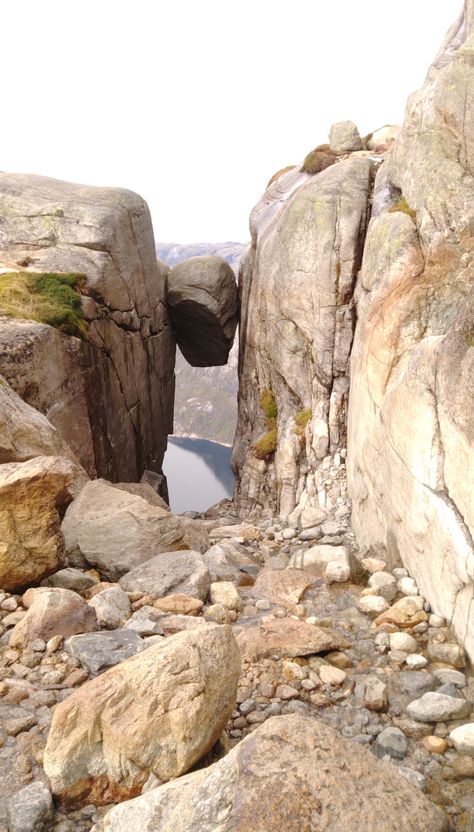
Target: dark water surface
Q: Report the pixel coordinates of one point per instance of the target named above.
(198, 473)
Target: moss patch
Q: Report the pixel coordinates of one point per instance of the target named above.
(402, 206)
(266, 445)
(268, 404)
(48, 298)
(301, 419)
(319, 159)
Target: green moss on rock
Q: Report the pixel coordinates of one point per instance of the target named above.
(49, 298)
(320, 158)
(266, 445)
(402, 206)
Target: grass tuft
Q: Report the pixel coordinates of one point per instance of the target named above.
(48, 298)
(301, 419)
(402, 206)
(266, 445)
(319, 159)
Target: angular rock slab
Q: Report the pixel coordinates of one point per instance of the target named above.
(116, 531)
(203, 305)
(158, 712)
(54, 612)
(100, 651)
(32, 495)
(288, 637)
(293, 774)
(171, 572)
(281, 586)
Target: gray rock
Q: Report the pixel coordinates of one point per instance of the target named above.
(448, 689)
(344, 137)
(203, 305)
(171, 572)
(452, 677)
(463, 739)
(408, 685)
(112, 607)
(98, 651)
(70, 578)
(146, 622)
(437, 707)
(391, 741)
(447, 652)
(30, 809)
(313, 533)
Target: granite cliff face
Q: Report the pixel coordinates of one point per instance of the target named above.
(411, 420)
(396, 386)
(110, 395)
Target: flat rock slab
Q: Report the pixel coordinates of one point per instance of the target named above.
(292, 773)
(171, 572)
(98, 651)
(288, 637)
(281, 586)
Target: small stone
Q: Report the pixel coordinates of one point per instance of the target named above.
(385, 584)
(373, 565)
(247, 706)
(225, 594)
(330, 675)
(413, 777)
(30, 809)
(9, 604)
(218, 614)
(289, 534)
(77, 677)
(339, 659)
(286, 692)
(449, 653)
(382, 641)
(391, 741)
(18, 720)
(463, 767)
(179, 604)
(415, 661)
(254, 717)
(463, 738)
(373, 605)
(337, 572)
(266, 689)
(435, 745)
(54, 644)
(451, 677)
(407, 586)
(263, 604)
(402, 641)
(37, 646)
(400, 572)
(313, 533)
(376, 695)
(436, 707)
(436, 621)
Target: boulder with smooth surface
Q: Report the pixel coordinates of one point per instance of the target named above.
(54, 612)
(171, 572)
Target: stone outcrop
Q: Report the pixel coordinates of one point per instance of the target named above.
(158, 712)
(293, 773)
(203, 304)
(116, 531)
(411, 420)
(33, 497)
(297, 323)
(111, 395)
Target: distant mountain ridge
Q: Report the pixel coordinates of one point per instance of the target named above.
(206, 398)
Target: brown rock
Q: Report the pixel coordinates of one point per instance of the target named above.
(282, 586)
(54, 612)
(287, 637)
(404, 613)
(158, 712)
(33, 495)
(179, 604)
(435, 745)
(463, 767)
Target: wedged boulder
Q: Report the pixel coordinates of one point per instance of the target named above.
(203, 305)
(116, 531)
(54, 612)
(33, 496)
(288, 637)
(158, 712)
(293, 773)
(281, 586)
(169, 573)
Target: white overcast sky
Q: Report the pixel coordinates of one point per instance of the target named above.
(194, 104)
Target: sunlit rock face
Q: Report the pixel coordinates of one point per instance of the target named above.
(297, 324)
(111, 395)
(411, 420)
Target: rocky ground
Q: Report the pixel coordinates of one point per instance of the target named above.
(321, 635)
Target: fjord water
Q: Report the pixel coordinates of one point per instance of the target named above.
(198, 473)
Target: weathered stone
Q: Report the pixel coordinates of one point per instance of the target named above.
(281, 586)
(225, 593)
(288, 637)
(435, 745)
(337, 572)
(376, 694)
(203, 304)
(179, 604)
(463, 738)
(110, 396)
(171, 572)
(70, 578)
(321, 554)
(54, 612)
(30, 809)
(322, 781)
(33, 495)
(227, 560)
(331, 675)
(112, 607)
(99, 651)
(117, 531)
(447, 652)
(372, 605)
(344, 137)
(385, 584)
(391, 741)
(402, 641)
(436, 707)
(158, 712)
(407, 612)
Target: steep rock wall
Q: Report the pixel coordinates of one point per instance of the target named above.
(411, 417)
(110, 396)
(297, 322)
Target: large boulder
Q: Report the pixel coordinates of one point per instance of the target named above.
(54, 612)
(182, 572)
(116, 531)
(288, 637)
(33, 496)
(411, 420)
(203, 305)
(110, 395)
(293, 773)
(344, 137)
(156, 713)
